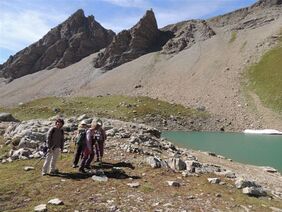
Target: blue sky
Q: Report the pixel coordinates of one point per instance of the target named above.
(23, 22)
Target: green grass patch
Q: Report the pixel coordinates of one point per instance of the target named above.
(233, 37)
(4, 149)
(265, 78)
(118, 107)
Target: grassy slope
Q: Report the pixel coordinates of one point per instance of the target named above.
(266, 78)
(118, 107)
(22, 191)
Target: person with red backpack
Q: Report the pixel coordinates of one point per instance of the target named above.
(80, 142)
(93, 135)
(55, 145)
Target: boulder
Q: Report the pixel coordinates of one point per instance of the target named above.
(133, 185)
(176, 164)
(28, 143)
(21, 153)
(40, 208)
(214, 180)
(241, 183)
(254, 191)
(173, 183)
(153, 162)
(102, 178)
(28, 168)
(7, 117)
(55, 201)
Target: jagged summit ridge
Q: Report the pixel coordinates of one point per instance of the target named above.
(131, 44)
(69, 42)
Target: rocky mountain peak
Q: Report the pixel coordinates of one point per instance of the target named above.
(130, 44)
(69, 42)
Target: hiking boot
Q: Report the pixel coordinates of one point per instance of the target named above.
(43, 174)
(74, 166)
(56, 171)
(82, 170)
(88, 167)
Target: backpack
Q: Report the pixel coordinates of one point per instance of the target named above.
(81, 138)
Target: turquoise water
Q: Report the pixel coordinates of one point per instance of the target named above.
(261, 150)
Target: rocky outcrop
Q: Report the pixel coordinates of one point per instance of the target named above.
(268, 3)
(186, 34)
(69, 42)
(254, 16)
(130, 44)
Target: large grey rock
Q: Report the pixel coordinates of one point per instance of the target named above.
(153, 162)
(241, 183)
(40, 208)
(192, 164)
(21, 153)
(28, 168)
(214, 180)
(55, 201)
(173, 183)
(176, 164)
(28, 143)
(254, 191)
(69, 42)
(102, 178)
(133, 185)
(7, 117)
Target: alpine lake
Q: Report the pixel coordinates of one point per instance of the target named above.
(259, 150)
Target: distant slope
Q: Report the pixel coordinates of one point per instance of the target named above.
(206, 75)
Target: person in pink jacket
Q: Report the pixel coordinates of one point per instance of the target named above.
(94, 136)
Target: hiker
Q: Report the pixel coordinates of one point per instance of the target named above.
(88, 153)
(55, 144)
(80, 142)
(93, 134)
(99, 137)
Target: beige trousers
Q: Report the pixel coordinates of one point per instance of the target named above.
(50, 160)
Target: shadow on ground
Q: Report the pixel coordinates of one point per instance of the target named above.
(111, 170)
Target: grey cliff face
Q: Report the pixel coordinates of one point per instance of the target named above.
(69, 42)
(130, 44)
(186, 34)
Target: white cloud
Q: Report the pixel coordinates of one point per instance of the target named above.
(20, 29)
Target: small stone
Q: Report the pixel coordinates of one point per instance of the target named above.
(173, 183)
(269, 169)
(274, 209)
(214, 180)
(40, 208)
(28, 168)
(191, 197)
(133, 185)
(102, 178)
(56, 201)
(218, 195)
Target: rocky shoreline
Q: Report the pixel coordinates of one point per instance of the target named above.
(145, 144)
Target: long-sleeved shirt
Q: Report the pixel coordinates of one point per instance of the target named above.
(55, 138)
(93, 135)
